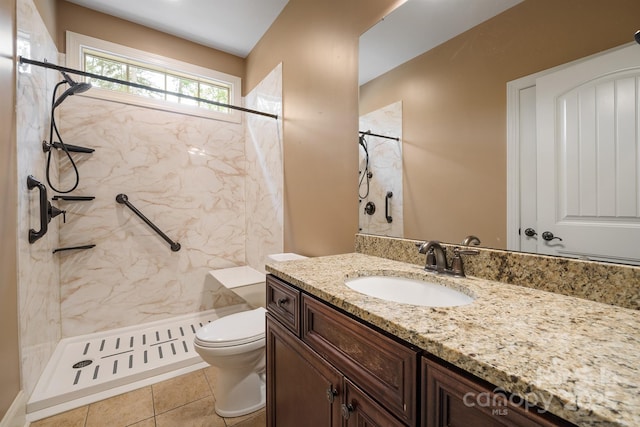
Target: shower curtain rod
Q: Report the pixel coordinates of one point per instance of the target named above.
(395, 138)
(139, 86)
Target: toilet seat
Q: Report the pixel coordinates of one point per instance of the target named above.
(233, 330)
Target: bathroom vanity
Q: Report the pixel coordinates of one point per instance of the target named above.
(340, 358)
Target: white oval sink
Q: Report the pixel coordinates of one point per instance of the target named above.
(408, 291)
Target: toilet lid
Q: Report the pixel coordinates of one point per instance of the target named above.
(235, 329)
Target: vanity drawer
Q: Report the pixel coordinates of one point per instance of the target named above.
(283, 302)
(385, 368)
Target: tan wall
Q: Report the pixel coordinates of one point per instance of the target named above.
(9, 356)
(47, 11)
(71, 17)
(317, 43)
(454, 108)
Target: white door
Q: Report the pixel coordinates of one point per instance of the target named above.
(588, 162)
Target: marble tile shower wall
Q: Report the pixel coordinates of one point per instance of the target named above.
(385, 162)
(195, 178)
(264, 196)
(38, 291)
(190, 177)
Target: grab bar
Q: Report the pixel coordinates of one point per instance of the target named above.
(387, 207)
(44, 213)
(123, 199)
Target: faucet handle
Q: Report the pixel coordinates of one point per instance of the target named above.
(457, 266)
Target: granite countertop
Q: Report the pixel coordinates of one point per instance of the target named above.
(578, 359)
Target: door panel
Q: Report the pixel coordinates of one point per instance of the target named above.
(589, 158)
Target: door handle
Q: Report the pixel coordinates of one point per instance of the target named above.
(548, 236)
(530, 232)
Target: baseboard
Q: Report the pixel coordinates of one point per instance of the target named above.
(16, 415)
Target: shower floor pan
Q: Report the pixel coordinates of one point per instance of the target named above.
(92, 367)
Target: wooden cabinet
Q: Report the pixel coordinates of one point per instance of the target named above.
(283, 302)
(334, 371)
(454, 399)
(382, 367)
(360, 410)
(302, 389)
(326, 368)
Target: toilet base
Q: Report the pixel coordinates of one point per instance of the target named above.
(237, 393)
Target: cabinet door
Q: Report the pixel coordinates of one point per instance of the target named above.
(359, 410)
(302, 389)
(384, 368)
(453, 400)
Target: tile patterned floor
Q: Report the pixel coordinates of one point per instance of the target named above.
(184, 401)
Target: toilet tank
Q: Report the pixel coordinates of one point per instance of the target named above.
(287, 256)
(244, 281)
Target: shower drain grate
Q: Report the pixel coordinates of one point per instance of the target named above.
(90, 364)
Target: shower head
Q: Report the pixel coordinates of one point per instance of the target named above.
(74, 87)
(637, 36)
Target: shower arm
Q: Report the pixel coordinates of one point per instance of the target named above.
(60, 68)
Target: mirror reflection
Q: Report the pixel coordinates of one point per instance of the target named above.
(457, 170)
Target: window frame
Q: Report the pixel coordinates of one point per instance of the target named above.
(77, 43)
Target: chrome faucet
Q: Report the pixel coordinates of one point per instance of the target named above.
(436, 258)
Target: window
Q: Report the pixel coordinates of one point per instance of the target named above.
(119, 62)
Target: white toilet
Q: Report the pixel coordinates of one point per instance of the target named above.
(235, 344)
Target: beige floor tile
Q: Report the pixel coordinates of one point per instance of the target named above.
(255, 419)
(179, 391)
(149, 422)
(195, 414)
(210, 373)
(121, 410)
(72, 418)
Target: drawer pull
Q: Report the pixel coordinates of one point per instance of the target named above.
(331, 393)
(347, 409)
(282, 301)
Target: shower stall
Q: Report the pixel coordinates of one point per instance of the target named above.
(199, 180)
(380, 187)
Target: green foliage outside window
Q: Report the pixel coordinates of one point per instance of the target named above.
(192, 86)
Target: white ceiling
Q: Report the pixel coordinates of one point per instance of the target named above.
(235, 26)
(418, 26)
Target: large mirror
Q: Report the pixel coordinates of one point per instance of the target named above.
(453, 101)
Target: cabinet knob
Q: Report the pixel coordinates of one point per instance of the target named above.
(282, 301)
(331, 393)
(347, 409)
